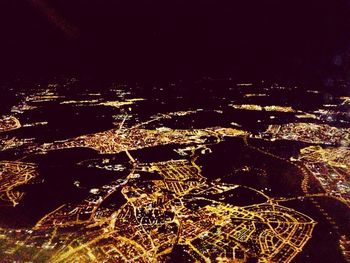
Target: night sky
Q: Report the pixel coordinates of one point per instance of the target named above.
(175, 39)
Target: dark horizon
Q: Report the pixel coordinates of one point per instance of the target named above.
(154, 40)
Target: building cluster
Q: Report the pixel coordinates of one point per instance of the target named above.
(13, 174)
(118, 140)
(256, 107)
(331, 167)
(9, 123)
(311, 133)
(175, 209)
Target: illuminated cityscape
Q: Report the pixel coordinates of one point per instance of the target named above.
(188, 182)
(175, 131)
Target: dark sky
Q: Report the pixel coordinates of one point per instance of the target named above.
(174, 38)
